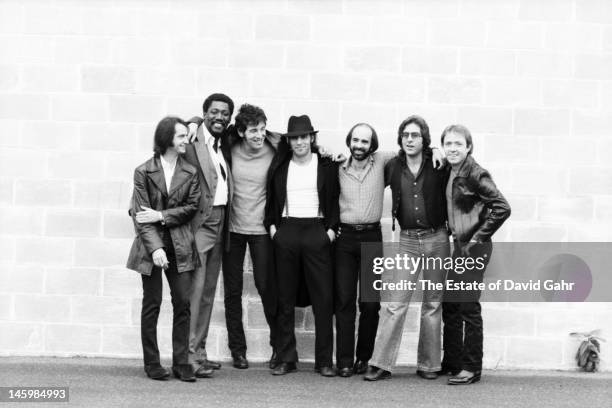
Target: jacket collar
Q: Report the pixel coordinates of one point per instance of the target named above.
(466, 167)
(156, 174)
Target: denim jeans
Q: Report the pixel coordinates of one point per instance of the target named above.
(415, 243)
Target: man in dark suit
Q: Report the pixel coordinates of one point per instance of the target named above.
(302, 216)
(209, 153)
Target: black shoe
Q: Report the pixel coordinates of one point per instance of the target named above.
(345, 372)
(241, 362)
(428, 375)
(360, 367)
(157, 372)
(284, 368)
(326, 371)
(464, 379)
(374, 374)
(211, 364)
(448, 371)
(184, 372)
(273, 361)
(204, 372)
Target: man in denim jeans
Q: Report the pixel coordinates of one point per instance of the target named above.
(419, 205)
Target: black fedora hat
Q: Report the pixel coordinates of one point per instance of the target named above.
(299, 125)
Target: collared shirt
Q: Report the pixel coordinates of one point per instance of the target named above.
(302, 194)
(168, 168)
(362, 193)
(412, 213)
(221, 193)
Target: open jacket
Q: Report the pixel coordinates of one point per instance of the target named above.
(328, 188)
(177, 207)
(479, 208)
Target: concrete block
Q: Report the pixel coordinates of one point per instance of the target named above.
(12, 160)
(572, 37)
(107, 79)
(185, 107)
(523, 207)
(280, 84)
(590, 180)
(8, 243)
(73, 223)
(258, 345)
(103, 194)
(140, 50)
(501, 322)
(591, 123)
(11, 135)
(109, 21)
(21, 279)
(455, 90)
(80, 107)
(31, 49)
(594, 66)
(6, 192)
(305, 345)
(175, 22)
(72, 338)
(45, 251)
(429, 60)
(364, 7)
(49, 135)
(475, 61)
(458, 33)
(566, 152)
(538, 180)
(76, 165)
(397, 88)
(24, 106)
(324, 114)
(201, 53)
(121, 282)
(43, 193)
(233, 82)
(21, 221)
(534, 352)
(546, 10)
(282, 27)
(82, 50)
(314, 57)
(52, 78)
(6, 306)
(121, 340)
(165, 80)
(108, 136)
(486, 119)
(500, 149)
(545, 122)
(120, 166)
(338, 87)
(9, 77)
(255, 55)
(117, 225)
(494, 351)
(333, 29)
(52, 20)
(603, 208)
(12, 18)
(543, 64)
(392, 30)
(558, 324)
(512, 91)
(300, 7)
(530, 232)
(228, 26)
(73, 281)
(502, 34)
(489, 10)
(21, 337)
(100, 310)
(596, 11)
(42, 308)
(136, 108)
(571, 94)
(372, 58)
(101, 252)
(352, 113)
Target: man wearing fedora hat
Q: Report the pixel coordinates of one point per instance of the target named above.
(302, 215)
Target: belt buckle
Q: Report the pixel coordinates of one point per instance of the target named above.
(359, 227)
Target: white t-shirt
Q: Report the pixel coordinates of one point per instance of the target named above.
(302, 194)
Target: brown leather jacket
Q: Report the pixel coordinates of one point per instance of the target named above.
(479, 208)
(177, 207)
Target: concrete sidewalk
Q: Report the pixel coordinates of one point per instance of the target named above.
(122, 383)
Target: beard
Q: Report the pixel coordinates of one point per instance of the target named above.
(359, 154)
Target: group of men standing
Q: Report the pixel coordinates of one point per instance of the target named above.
(305, 217)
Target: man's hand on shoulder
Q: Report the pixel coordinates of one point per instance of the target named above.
(437, 158)
(192, 132)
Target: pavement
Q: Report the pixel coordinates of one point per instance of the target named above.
(100, 382)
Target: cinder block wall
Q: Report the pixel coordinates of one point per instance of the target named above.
(83, 83)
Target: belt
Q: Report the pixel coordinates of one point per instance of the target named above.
(361, 227)
(421, 232)
(301, 221)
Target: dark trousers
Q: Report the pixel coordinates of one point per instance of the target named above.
(461, 314)
(346, 275)
(303, 244)
(260, 248)
(180, 284)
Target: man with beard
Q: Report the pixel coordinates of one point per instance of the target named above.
(209, 153)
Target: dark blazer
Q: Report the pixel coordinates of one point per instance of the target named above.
(434, 185)
(328, 188)
(197, 154)
(177, 207)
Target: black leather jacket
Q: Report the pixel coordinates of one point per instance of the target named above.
(479, 208)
